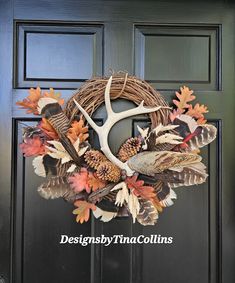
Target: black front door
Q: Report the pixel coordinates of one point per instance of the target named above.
(60, 44)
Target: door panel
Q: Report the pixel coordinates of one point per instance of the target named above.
(169, 45)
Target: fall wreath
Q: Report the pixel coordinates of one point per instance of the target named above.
(139, 181)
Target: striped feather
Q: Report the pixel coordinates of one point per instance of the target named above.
(194, 174)
(148, 214)
(206, 136)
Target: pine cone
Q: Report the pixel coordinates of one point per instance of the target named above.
(130, 148)
(94, 158)
(107, 171)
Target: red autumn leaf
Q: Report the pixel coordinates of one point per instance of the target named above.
(79, 181)
(184, 96)
(33, 146)
(94, 182)
(83, 210)
(138, 188)
(48, 130)
(78, 130)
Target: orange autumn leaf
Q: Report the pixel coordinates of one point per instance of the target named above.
(184, 96)
(54, 95)
(31, 101)
(83, 210)
(33, 147)
(139, 189)
(47, 128)
(78, 130)
(94, 182)
(201, 121)
(79, 181)
(34, 94)
(197, 111)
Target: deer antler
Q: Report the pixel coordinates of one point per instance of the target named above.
(112, 119)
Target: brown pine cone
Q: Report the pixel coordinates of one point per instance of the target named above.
(107, 171)
(130, 148)
(94, 158)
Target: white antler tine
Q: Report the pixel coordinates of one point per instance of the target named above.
(107, 98)
(86, 115)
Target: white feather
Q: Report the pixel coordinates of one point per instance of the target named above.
(143, 132)
(169, 138)
(106, 216)
(161, 128)
(45, 101)
(122, 194)
(71, 168)
(38, 165)
(133, 205)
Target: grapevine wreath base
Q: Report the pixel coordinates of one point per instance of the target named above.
(139, 181)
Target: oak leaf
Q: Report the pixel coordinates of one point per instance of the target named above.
(79, 181)
(184, 96)
(54, 95)
(139, 189)
(31, 101)
(83, 210)
(78, 130)
(34, 94)
(94, 182)
(197, 111)
(201, 121)
(32, 147)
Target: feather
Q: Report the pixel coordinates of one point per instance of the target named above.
(39, 167)
(133, 206)
(186, 124)
(168, 201)
(106, 216)
(44, 101)
(152, 162)
(52, 111)
(71, 168)
(55, 167)
(206, 136)
(59, 152)
(100, 193)
(56, 187)
(123, 197)
(193, 174)
(148, 214)
(162, 190)
(107, 205)
(143, 132)
(161, 138)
